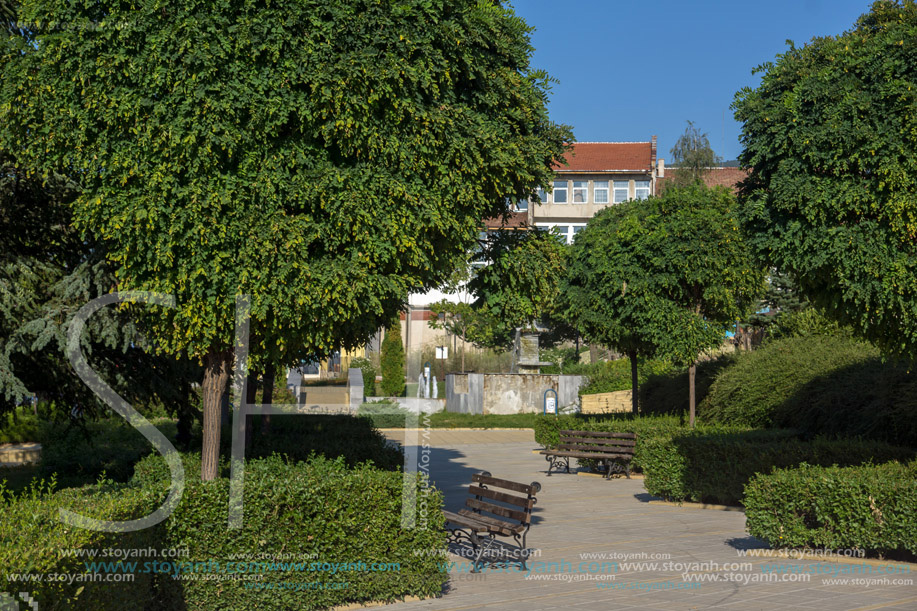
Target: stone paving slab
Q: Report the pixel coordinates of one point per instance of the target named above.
(577, 516)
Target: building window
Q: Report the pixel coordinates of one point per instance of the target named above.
(522, 205)
(565, 233)
(542, 196)
(642, 190)
(580, 191)
(621, 194)
(560, 191)
(600, 191)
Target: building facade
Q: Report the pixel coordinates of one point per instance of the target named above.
(596, 175)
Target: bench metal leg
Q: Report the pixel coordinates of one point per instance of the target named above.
(554, 462)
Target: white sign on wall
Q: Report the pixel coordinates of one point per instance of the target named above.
(442, 352)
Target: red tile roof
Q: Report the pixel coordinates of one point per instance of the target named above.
(516, 220)
(608, 156)
(725, 177)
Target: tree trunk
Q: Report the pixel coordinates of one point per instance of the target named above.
(216, 374)
(251, 395)
(267, 398)
(691, 371)
(463, 351)
(593, 354)
(632, 355)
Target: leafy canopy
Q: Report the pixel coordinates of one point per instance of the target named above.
(830, 136)
(693, 156)
(325, 157)
(518, 285)
(666, 276)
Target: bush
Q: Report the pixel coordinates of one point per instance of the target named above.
(666, 392)
(393, 362)
(384, 414)
(355, 440)
(819, 385)
(713, 466)
(19, 425)
(610, 376)
(369, 375)
(315, 512)
(80, 454)
(32, 539)
(869, 507)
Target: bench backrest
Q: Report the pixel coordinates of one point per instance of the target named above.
(508, 501)
(598, 441)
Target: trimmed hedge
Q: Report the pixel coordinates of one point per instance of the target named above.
(354, 439)
(384, 414)
(33, 540)
(869, 507)
(322, 510)
(714, 467)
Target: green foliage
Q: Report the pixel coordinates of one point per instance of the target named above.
(32, 538)
(19, 425)
(713, 464)
(393, 361)
(384, 414)
(452, 420)
(806, 322)
(668, 275)
(692, 156)
(664, 390)
(869, 507)
(354, 440)
(518, 286)
(79, 454)
(321, 508)
(829, 136)
(369, 374)
(609, 376)
(820, 385)
(300, 156)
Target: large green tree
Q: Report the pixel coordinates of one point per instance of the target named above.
(666, 276)
(325, 157)
(830, 137)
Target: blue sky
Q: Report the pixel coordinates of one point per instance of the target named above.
(628, 69)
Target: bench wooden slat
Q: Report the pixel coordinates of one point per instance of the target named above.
(503, 483)
(504, 512)
(501, 496)
(591, 448)
(504, 528)
(467, 522)
(598, 440)
(596, 455)
(600, 434)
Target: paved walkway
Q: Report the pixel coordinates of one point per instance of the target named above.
(577, 515)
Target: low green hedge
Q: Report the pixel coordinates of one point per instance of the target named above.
(34, 541)
(869, 507)
(666, 392)
(354, 439)
(316, 512)
(384, 414)
(713, 467)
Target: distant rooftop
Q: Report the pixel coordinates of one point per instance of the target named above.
(609, 157)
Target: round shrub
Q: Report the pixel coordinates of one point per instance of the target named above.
(756, 390)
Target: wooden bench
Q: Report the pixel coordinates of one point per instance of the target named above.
(494, 508)
(615, 450)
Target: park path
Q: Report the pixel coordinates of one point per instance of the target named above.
(578, 515)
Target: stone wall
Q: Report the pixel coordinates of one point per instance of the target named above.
(507, 393)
